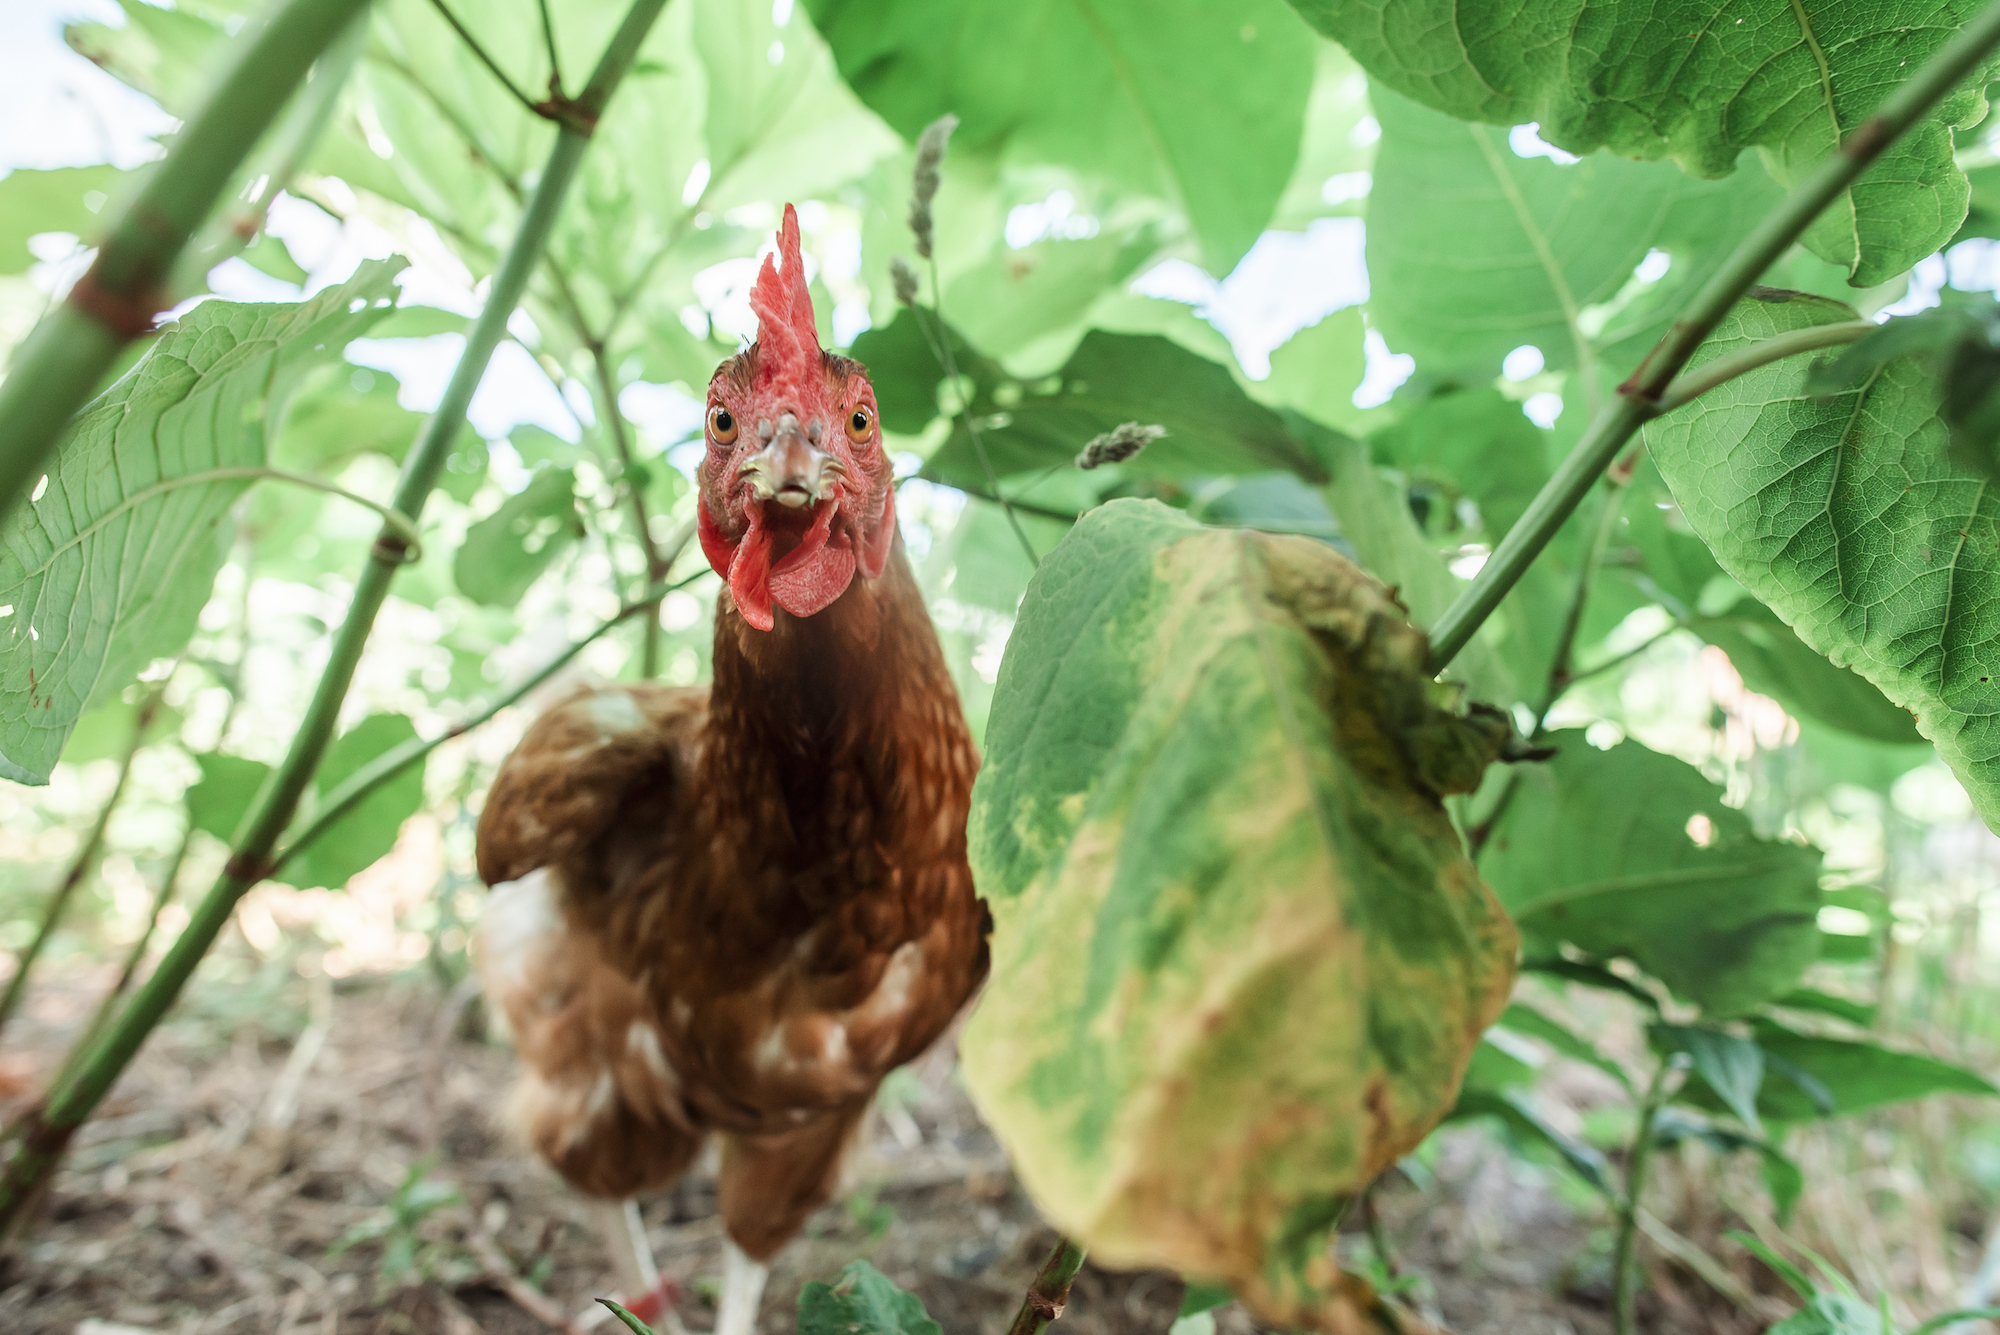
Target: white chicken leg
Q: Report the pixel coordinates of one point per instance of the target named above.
(632, 1263)
(742, 1291)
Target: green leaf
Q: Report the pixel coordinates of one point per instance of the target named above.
(110, 567)
(369, 830)
(1317, 370)
(1857, 1075)
(1527, 1020)
(1831, 1314)
(1596, 849)
(1233, 922)
(1213, 427)
(1699, 82)
(1474, 250)
(1203, 1296)
(1784, 1178)
(1812, 999)
(343, 411)
(106, 731)
(1732, 1066)
(167, 54)
(862, 1301)
(1773, 661)
(1844, 515)
(65, 199)
(1960, 343)
(219, 800)
(625, 1318)
(269, 255)
(1120, 89)
(1520, 1118)
(505, 552)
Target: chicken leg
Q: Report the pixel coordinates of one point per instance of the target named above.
(641, 1291)
(742, 1291)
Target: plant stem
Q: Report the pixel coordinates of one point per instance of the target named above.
(79, 869)
(51, 1125)
(942, 350)
(1049, 1292)
(1624, 1278)
(1641, 397)
(1687, 388)
(59, 366)
(614, 420)
(358, 785)
(237, 224)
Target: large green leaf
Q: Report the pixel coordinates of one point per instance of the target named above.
(1774, 662)
(1600, 848)
(1212, 425)
(1699, 81)
(862, 1301)
(168, 54)
(219, 800)
(65, 199)
(1474, 250)
(1849, 1076)
(505, 552)
(353, 843)
(1120, 89)
(109, 567)
(1845, 516)
(1240, 959)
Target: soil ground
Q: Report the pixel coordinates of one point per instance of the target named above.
(212, 1195)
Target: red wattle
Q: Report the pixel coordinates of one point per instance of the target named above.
(815, 572)
(750, 574)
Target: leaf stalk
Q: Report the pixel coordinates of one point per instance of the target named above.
(1646, 394)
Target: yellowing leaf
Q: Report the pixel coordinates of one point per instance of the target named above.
(1240, 960)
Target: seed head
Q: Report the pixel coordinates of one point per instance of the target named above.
(903, 275)
(925, 180)
(1118, 444)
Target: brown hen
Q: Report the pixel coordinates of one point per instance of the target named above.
(734, 910)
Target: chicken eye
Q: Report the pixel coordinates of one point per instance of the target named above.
(860, 425)
(721, 425)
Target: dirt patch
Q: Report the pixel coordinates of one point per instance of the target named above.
(267, 1126)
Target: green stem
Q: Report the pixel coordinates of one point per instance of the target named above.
(1641, 397)
(291, 143)
(1624, 1275)
(614, 420)
(1049, 1292)
(358, 785)
(52, 1124)
(79, 869)
(1938, 1323)
(1687, 388)
(63, 360)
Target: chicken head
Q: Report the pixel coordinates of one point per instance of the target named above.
(796, 492)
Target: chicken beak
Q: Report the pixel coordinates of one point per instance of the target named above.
(791, 469)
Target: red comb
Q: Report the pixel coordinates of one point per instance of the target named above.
(787, 344)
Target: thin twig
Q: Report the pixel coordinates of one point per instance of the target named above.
(1048, 1294)
(614, 420)
(80, 867)
(1641, 396)
(942, 350)
(555, 61)
(492, 66)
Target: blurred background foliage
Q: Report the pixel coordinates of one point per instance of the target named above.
(1325, 302)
